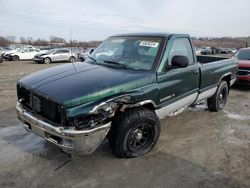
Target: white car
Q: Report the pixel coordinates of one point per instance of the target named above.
(24, 54)
(197, 51)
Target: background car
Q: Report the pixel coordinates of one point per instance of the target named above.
(84, 55)
(56, 55)
(206, 51)
(3, 50)
(244, 66)
(24, 54)
(8, 55)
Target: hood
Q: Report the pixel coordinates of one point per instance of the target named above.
(244, 63)
(79, 83)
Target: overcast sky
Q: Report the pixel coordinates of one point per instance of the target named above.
(98, 19)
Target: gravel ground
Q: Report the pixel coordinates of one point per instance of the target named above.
(196, 149)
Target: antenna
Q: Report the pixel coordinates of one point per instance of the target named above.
(70, 36)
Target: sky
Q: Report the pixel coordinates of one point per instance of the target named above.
(98, 19)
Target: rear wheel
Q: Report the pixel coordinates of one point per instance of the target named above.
(16, 58)
(47, 60)
(218, 101)
(134, 132)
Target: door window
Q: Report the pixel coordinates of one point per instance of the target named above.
(181, 46)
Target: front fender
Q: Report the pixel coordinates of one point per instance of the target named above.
(95, 107)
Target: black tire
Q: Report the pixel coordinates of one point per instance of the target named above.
(47, 60)
(72, 59)
(218, 101)
(134, 132)
(15, 58)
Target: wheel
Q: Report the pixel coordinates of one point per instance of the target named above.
(47, 60)
(16, 58)
(218, 101)
(134, 132)
(72, 59)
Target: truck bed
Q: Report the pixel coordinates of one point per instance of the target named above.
(214, 68)
(208, 59)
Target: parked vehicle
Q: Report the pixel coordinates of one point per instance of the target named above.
(23, 54)
(234, 50)
(8, 55)
(84, 55)
(55, 55)
(226, 51)
(197, 51)
(3, 50)
(244, 66)
(215, 50)
(125, 86)
(206, 51)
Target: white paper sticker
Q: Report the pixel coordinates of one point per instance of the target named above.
(149, 44)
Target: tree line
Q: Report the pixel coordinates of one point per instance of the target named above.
(224, 42)
(8, 40)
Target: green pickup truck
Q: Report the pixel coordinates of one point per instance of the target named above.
(120, 92)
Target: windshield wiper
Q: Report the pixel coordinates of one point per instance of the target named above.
(116, 63)
(92, 59)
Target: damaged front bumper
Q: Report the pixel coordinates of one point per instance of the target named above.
(69, 140)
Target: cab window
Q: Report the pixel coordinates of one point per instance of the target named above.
(181, 46)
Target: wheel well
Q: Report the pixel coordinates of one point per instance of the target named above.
(47, 58)
(16, 56)
(149, 106)
(227, 79)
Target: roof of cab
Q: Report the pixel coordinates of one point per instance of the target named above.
(149, 34)
(143, 35)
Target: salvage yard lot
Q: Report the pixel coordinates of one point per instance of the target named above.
(196, 148)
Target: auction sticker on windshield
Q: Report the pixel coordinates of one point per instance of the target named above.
(149, 44)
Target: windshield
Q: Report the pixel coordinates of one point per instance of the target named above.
(131, 52)
(243, 54)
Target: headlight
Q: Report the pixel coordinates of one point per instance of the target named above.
(87, 121)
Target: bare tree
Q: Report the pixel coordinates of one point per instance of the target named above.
(23, 40)
(11, 38)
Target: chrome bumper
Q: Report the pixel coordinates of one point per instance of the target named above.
(68, 139)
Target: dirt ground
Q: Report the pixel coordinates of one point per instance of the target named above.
(196, 149)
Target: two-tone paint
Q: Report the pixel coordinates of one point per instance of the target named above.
(85, 88)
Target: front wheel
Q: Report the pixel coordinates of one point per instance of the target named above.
(218, 101)
(16, 58)
(47, 60)
(134, 132)
(72, 59)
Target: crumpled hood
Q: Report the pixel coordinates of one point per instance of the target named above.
(79, 83)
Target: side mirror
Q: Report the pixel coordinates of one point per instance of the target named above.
(180, 61)
(90, 52)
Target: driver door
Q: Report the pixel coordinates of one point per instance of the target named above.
(178, 87)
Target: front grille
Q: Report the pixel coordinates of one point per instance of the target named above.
(243, 72)
(244, 68)
(39, 105)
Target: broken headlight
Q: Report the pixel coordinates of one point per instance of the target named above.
(87, 121)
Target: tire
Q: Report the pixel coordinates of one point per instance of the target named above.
(134, 132)
(72, 59)
(16, 58)
(47, 60)
(218, 101)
